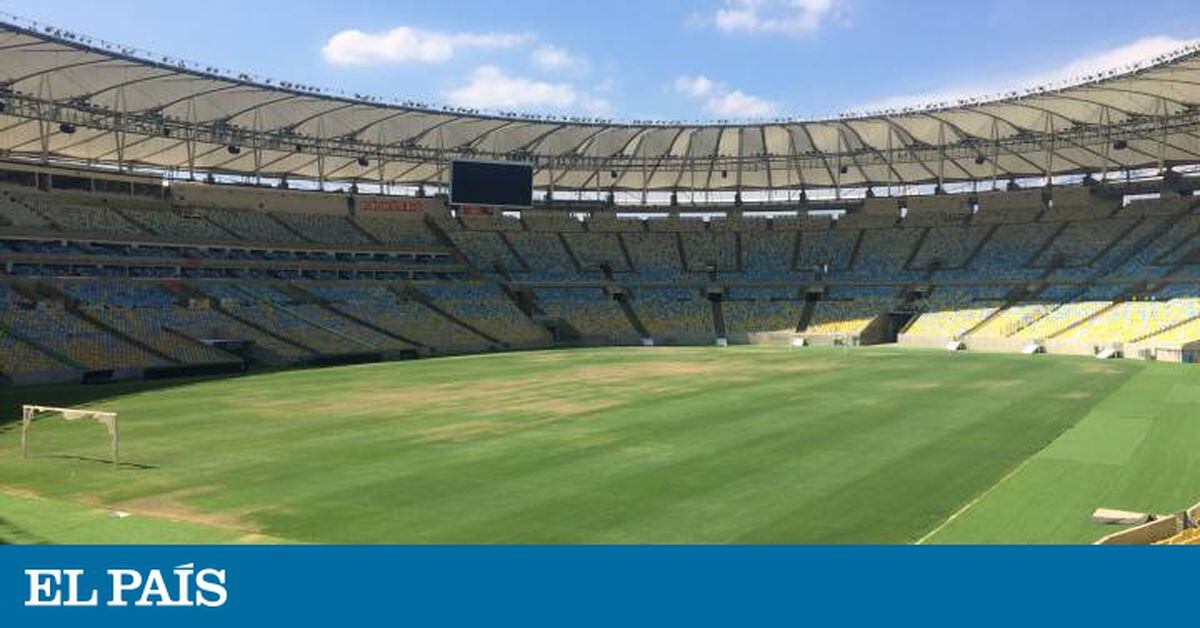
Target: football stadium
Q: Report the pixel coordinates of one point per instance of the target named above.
(236, 309)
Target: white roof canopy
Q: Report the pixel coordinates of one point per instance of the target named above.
(64, 99)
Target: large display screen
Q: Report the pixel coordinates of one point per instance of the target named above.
(491, 183)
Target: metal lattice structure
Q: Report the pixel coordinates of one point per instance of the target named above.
(69, 98)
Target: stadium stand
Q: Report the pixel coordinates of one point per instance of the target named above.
(674, 314)
(83, 289)
(590, 312)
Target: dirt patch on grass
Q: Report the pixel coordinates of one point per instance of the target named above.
(917, 385)
(172, 506)
(996, 384)
(17, 491)
(1074, 395)
(1101, 369)
(569, 391)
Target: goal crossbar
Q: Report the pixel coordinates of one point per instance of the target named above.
(30, 413)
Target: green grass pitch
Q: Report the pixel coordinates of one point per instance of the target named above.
(630, 445)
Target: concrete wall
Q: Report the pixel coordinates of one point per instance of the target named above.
(923, 342)
(265, 199)
(1145, 534)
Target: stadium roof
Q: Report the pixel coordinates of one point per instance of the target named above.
(67, 97)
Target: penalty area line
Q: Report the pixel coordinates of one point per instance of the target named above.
(971, 504)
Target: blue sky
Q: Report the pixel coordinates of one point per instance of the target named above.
(648, 59)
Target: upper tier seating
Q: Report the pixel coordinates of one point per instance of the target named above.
(325, 229)
(250, 225)
(15, 213)
(655, 255)
(174, 224)
(594, 250)
(400, 230)
(543, 254)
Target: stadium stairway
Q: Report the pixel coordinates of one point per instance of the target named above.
(525, 267)
(72, 308)
(412, 291)
(631, 314)
(113, 331)
(570, 253)
(1083, 321)
(1162, 330)
(1014, 297)
(40, 212)
(134, 221)
(303, 295)
(61, 358)
(806, 314)
(1046, 247)
(252, 324)
(916, 248)
(718, 315)
(286, 227)
(796, 250)
(987, 237)
(683, 262)
(220, 227)
(858, 240)
(625, 253)
(1116, 241)
(1140, 245)
(363, 232)
(290, 312)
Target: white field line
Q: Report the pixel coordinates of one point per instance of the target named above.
(971, 504)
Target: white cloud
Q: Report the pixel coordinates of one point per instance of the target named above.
(723, 102)
(490, 88)
(409, 45)
(695, 86)
(597, 106)
(738, 104)
(1138, 51)
(795, 18)
(554, 58)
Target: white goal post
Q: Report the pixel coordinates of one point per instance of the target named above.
(30, 413)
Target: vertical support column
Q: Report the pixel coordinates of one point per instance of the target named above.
(941, 156)
(121, 109)
(191, 138)
(26, 419)
(116, 444)
(1106, 121)
(1163, 113)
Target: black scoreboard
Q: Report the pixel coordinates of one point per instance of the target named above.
(491, 183)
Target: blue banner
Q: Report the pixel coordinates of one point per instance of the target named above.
(535, 586)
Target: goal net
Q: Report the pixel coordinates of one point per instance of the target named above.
(30, 413)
